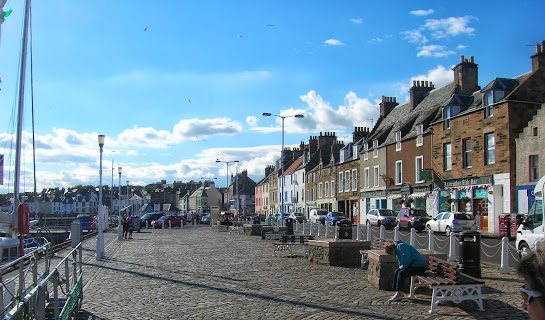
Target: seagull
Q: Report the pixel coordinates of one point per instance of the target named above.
(270, 25)
(240, 36)
(145, 29)
(189, 100)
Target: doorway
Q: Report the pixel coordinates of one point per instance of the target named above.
(481, 208)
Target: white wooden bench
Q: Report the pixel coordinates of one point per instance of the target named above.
(448, 284)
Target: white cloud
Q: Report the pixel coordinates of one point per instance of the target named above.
(439, 76)
(422, 12)
(357, 20)
(380, 40)
(415, 36)
(461, 47)
(433, 50)
(252, 121)
(452, 26)
(333, 42)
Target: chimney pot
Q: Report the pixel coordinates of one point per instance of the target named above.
(538, 48)
(472, 59)
(462, 59)
(543, 45)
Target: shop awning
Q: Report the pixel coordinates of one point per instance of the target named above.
(418, 195)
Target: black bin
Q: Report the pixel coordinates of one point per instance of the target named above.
(289, 225)
(345, 232)
(257, 220)
(470, 253)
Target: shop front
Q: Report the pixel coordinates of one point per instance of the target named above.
(371, 200)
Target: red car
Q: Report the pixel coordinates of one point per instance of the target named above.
(172, 221)
(412, 218)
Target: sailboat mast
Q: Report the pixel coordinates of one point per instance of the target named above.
(21, 107)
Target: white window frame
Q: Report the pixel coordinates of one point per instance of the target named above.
(341, 179)
(446, 117)
(354, 179)
(399, 172)
(365, 151)
(375, 148)
(320, 190)
(326, 189)
(419, 135)
(332, 188)
(376, 176)
(447, 156)
(490, 148)
(398, 140)
(347, 181)
(366, 177)
(417, 170)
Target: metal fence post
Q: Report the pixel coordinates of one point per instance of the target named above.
(413, 237)
(327, 229)
(382, 232)
(369, 233)
(396, 233)
(358, 231)
(311, 228)
(452, 248)
(504, 267)
(319, 228)
(431, 244)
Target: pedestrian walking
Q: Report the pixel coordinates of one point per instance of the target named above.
(410, 262)
(125, 225)
(532, 269)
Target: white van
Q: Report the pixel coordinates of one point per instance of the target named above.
(316, 215)
(532, 229)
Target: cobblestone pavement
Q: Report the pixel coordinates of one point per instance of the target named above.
(195, 273)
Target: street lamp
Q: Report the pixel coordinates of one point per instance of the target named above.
(128, 195)
(227, 177)
(119, 235)
(100, 237)
(267, 114)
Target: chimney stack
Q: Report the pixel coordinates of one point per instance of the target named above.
(387, 105)
(418, 90)
(538, 59)
(466, 76)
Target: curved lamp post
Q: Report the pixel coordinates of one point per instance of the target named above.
(100, 237)
(227, 177)
(267, 114)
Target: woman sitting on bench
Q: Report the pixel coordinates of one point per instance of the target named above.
(410, 261)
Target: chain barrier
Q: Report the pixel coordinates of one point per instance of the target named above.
(441, 247)
(511, 249)
(436, 239)
(424, 235)
(492, 246)
(388, 231)
(404, 234)
(495, 254)
(422, 244)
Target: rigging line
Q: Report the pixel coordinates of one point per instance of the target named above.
(32, 105)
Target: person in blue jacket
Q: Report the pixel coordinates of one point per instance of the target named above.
(410, 262)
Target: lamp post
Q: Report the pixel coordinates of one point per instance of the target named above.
(128, 194)
(119, 235)
(227, 177)
(100, 237)
(267, 114)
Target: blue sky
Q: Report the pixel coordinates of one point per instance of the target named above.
(175, 85)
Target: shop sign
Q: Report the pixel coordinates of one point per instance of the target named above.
(373, 194)
(470, 181)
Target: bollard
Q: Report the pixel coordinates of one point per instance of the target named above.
(194, 223)
(169, 224)
(413, 237)
(311, 228)
(504, 267)
(452, 248)
(211, 222)
(147, 226)
(319, 228)
(431, 244)
(304, 225)
(381, 235)
(296, 227)
(396, 233)
(336, 232)
(369, 233)
(327, 230)
(358, 232)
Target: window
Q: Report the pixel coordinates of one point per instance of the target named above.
(314, 177)
(320, 190)
(375, 176)
(447, 156)
(326, 191)
(332, 188)
(375, 148)
(365, 151)
(534, 167)
(490, 149)
(341, 180)
(313, 194)
(419, 165)
(355, 179)
(466, 149)
(446, 118)
(346, 181)
(419, 135)
(535, 131)
(308, 194)
(399, 173)
(366, 177)
(398, 140)
(488, 101)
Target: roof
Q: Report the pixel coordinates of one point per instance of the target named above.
(294, 165)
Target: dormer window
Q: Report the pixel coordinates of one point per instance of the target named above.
(419, 135)
(365, 151)
(398, 140)
(446, 118)
(489, 99)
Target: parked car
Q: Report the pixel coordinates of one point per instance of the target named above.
(412, 218)
(316, 215)
(205, 218)
(149, 218)
(297, 216)
(333, 217)
(448, 222)
(168, 220)
(382, 217)
(277, 216)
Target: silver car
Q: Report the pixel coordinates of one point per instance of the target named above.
(448, 222)
(381, 217)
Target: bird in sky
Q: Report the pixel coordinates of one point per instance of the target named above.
(145, 29)
(270, 25)
(240, 36)
(189, 100)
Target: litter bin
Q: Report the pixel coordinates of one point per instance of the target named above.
(344, 228)
(136, 224)
(470, 253)
(504, 225)
(289, 225)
